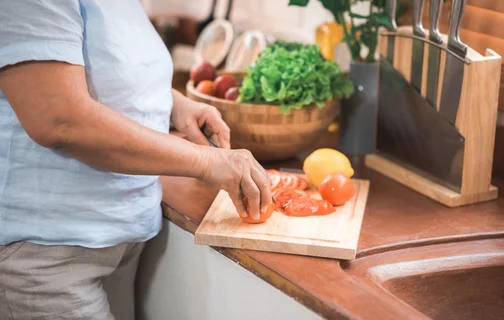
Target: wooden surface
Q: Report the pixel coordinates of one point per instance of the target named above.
(332, 236)
(420, 184)
(265, 131)
(476, 119)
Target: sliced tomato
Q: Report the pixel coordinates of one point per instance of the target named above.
(302, 207)
(308, 207)
(289, 180)
(283, 196)
(325, 208)
(274, 181)
(302, 184)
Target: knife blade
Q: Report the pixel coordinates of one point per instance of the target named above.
(434, 52)
(454, 66)
(413, 134)
(391, 9)
(417, 53)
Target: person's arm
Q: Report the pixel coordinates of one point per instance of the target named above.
(52, 103)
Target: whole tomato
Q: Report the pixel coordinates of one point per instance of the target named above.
(202, 71)
(232, 93)
(336, 188)
(223, 83)
(205, 87)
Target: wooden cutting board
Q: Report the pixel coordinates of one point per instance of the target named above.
(332, 236)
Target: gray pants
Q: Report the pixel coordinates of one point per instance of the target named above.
(67, 282)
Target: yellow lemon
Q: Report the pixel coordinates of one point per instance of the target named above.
(322, 162)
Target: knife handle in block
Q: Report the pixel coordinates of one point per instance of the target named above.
(418, 29)
(454, 43)
(435, 13)
(391, 9)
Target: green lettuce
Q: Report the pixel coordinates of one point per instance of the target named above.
(293, 75)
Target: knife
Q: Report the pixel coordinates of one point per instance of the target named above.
(454, 67)
(418, 45)
(434, 52)
(391, 9)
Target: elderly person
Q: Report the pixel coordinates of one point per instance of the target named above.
(85, 110)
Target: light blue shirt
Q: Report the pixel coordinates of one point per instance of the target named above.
(47, 197)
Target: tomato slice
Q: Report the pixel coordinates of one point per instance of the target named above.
(308, 207)
(302, 207)
(325, 208)
(274, 181)
(289, 180)
(285, 195)
(302, 184)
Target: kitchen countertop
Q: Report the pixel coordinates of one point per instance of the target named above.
(395, 218)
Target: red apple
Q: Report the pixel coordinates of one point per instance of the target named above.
(222, 84)
(202, 71)
(232, 93)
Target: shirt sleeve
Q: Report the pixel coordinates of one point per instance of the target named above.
(41, 30)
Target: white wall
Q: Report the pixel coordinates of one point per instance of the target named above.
(271, 16)
(183, 281)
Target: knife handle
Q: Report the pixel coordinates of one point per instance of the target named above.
(418, 29)
(435, 13)
(391, 9)
(454, 43)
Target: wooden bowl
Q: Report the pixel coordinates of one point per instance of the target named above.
(265, 131)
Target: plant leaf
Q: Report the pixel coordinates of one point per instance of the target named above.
(336, 6)
(293, 75)
(382, 19)
(301, 3)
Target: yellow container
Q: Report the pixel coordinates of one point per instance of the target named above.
(328, 35)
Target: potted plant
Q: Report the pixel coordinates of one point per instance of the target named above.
(358, 116)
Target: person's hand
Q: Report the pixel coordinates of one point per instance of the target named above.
(189, 117)
(237, 172)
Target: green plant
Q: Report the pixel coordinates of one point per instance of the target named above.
(356, 35)
(293, 75)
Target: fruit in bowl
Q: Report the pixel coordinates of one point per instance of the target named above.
(206, 81)
(202, 71)
(223, 83)
(206, 87)
(232, 93)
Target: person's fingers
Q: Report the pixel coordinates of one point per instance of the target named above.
(260, 168)
(251, 191)
(216, 128)
(223, 136)
(194, 133)
(262, 184)
(237, 198)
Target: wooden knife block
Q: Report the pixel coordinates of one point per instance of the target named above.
(476, 122)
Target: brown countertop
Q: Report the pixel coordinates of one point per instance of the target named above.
(396, 217)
